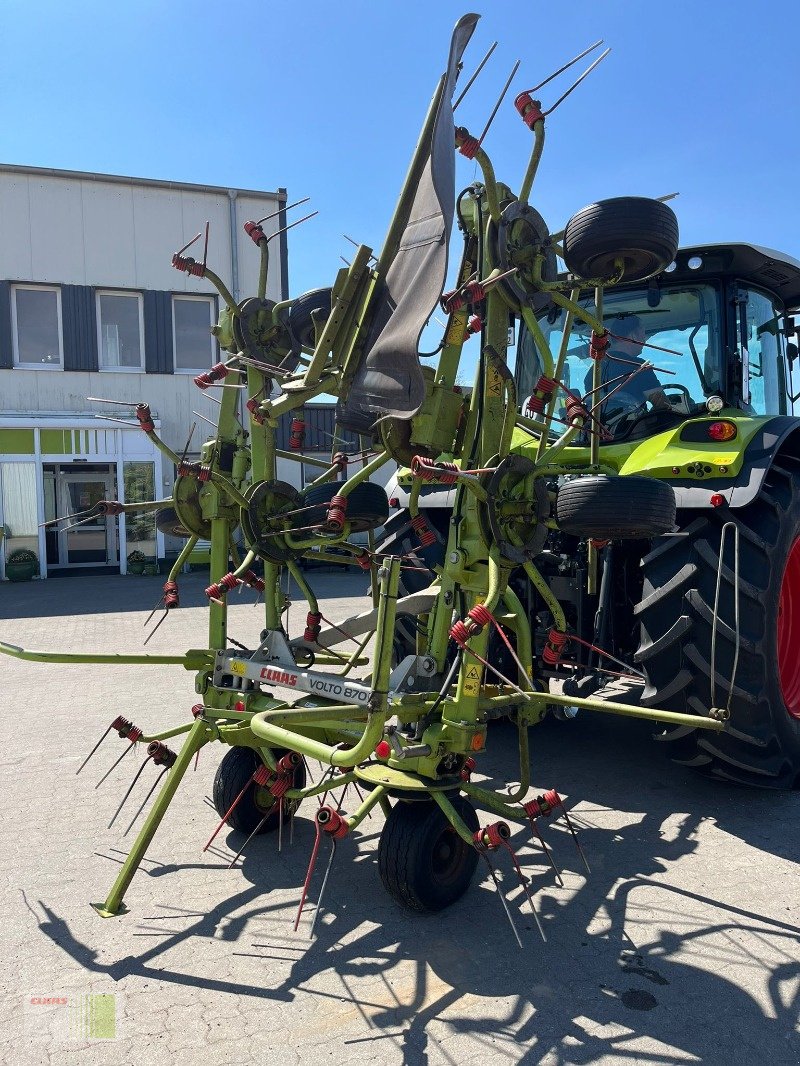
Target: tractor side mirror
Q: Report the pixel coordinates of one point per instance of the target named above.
(791, 352)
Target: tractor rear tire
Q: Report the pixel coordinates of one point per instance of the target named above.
(424, 864)
(761, 744)
(233, 774)
(615, 508)
(641, 232)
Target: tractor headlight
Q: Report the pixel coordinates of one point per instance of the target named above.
(714, 404)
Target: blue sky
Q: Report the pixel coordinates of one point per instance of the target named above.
(326, 99)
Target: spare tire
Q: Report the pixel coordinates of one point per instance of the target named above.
(616, 508)
(304, 309)
(641, 232)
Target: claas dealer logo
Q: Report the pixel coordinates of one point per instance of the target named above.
(280, 677)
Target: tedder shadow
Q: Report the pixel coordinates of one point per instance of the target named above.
(598, 984)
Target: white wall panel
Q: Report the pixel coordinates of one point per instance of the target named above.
(56, 231)
(109, 247)
(15, 235)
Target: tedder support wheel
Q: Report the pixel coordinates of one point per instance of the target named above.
(615, 508)
(761, 744)
(233, 773)
(424, 864)
(367, 505)
(642, 233)
(311, 305)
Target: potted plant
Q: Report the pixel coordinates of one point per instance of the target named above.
(22, 564)
(136, 562)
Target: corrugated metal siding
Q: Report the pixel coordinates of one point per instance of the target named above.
(6, 343)
(158, 351)
(320, 430)
(79, 327)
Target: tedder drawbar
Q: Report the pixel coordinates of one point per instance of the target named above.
(406, 734)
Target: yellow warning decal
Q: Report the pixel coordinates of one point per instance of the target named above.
(238, 667)
(472, 680)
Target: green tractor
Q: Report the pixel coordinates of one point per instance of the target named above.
(706, 613)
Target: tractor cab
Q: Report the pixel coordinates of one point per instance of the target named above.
(710, 333)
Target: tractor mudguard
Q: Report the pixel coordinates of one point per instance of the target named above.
(778, 434)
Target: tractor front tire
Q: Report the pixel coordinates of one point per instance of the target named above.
(643, 233)
(424, 864)
(761, 743)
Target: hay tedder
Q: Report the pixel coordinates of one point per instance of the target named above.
(626, 524)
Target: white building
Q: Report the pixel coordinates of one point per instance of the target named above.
(90, 305)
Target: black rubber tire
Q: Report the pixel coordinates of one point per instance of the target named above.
(167, 522)
(424, 864)
(237, 767)
(761, 744)
(367, 505)
(317, 302)
(615, 508)
(641, 231)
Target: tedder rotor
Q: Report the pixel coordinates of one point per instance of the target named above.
(406, 734)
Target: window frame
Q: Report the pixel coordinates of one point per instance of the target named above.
(213, 315)
(18, 364)
(99, 326)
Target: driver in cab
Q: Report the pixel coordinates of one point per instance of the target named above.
(632, 388)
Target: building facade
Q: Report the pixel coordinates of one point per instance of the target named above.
(90, 306)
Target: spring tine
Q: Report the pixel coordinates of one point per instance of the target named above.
(83, 521)
(297, 203)
(469, 84)
(122, 422)
(119, 760)
(360, 795)
(158, 623)
(136, 777)
(311, 864)
(523, 881)
(500, 894)
(291, 225)
(322, 888)
(577, 81)
(566, 66)
(158, 604)
(191, 242)
(205, 248)
(547, 851)
(227, 815)
(291, 824)
(255, 831)
(144, 802)
(118, 403)
(328, 773)
(342, 798)
(499, 101)
(94, 749)
(280, 825)
(571, 828)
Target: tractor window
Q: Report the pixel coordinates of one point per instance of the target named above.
(762, 345)
(681, 326)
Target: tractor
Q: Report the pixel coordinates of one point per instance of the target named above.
(622, 540)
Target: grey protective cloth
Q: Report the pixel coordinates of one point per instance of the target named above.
(389, 381)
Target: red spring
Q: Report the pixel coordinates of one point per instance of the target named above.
(289, 762)
(425, 534)
(197, 710)
(171, 597)
(466, 143)
(332, 823)
(492, 836)
(529, 109)
(145, 417)
(219, 588)
(254, 232)
(598, 345)
(364, 560)
(252, 580)
(261, 776)
(554, 648)
(598, 545)
(460, 632)
(216, 373)
(480, 615)
(161, 754)
(191, 266)
(575, 409)
(337, 513)
(201, 471)
(534, 405)
(313, 626)
(109, 507)
(255, 414)
(341, 460)
(297, 434)
(425, 470)
(474, 325)
(470, 293)
(126, 729)
(545, 385)
(467, 768)
(543, 805)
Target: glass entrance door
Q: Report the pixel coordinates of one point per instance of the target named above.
(92, 542)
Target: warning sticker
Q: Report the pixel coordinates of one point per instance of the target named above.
(238, 667)
(472, 680)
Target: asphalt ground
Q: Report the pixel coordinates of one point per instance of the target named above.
(682, 946)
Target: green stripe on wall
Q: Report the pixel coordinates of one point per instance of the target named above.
(16, 442)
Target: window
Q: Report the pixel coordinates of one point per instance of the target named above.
(763, 343)
(192, 318)
(36, 327)
(120, 327)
